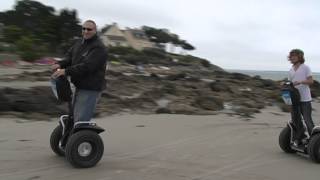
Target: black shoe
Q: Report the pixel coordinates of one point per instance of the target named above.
(305, 140)
(297, 143)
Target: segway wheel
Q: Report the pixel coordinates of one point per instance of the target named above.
(314, 148)
(84, 149)
(284, 140)
(55, 140)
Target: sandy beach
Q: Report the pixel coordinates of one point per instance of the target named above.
(184, 91)
(158, 147)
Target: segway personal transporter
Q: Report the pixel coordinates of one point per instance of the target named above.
(79, 142)
(311, 143)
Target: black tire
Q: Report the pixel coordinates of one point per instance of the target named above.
(284, 140)
(82, 137)
(54, 141)
(314, 148)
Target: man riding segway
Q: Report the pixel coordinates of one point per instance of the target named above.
(85, 63)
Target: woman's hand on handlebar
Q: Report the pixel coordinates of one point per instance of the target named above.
(297, 83)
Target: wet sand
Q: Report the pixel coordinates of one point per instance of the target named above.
(159, 147)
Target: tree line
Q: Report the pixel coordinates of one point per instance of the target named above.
(36, 29)
(163, 36)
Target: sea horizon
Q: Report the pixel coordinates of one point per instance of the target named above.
(269, 74)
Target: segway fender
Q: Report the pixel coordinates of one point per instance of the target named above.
(87, 126)
(315, 130)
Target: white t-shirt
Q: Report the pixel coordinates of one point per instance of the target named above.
(301, 74)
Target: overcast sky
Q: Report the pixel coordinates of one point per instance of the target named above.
(233, 34)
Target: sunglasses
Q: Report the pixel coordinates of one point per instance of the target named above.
(88, 29)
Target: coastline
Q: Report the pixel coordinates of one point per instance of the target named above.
(268, 74)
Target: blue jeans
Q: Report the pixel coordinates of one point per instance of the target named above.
(84, 104)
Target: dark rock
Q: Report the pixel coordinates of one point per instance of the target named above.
(187, 86)
(176, 77)
(139, 103)
(108, 95)
(193, 79)
(209, 103)
(163, 111)
(114, 73)
(4, 103)
(155, 76)
(239, 76)
(246, 112)
(219, 86)
(315, 89)
(267, 84)
(284, 107)
(34, 100)
(257, 77)
(181, 108)
(156, 93)
(250, 103)
(169, 88)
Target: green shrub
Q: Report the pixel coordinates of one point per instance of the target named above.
(9, 56)
(136, 59)
(154, 52)
(169, 89)
(119, 50)
(27, 50)
(205, 63)
(12, 33)
(112, 57)
(7, 48)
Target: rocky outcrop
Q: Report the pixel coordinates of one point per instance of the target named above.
(176, 90)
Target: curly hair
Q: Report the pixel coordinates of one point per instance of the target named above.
(299, 53)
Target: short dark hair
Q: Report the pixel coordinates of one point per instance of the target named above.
(299, 53)
(91, 21)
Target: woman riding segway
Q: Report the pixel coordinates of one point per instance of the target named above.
(300, 135)
(301, 77)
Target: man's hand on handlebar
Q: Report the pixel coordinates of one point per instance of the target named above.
(58, 72)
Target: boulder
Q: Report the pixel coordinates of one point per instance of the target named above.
(181, 108)
(219, 86)
(208, 103)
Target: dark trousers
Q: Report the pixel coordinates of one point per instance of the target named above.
(302, 110)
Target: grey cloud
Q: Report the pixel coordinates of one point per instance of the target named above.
(129, 14)
(244, 34)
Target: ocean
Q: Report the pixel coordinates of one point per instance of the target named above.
(274, 75)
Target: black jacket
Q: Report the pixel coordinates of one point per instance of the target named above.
(86, 63)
